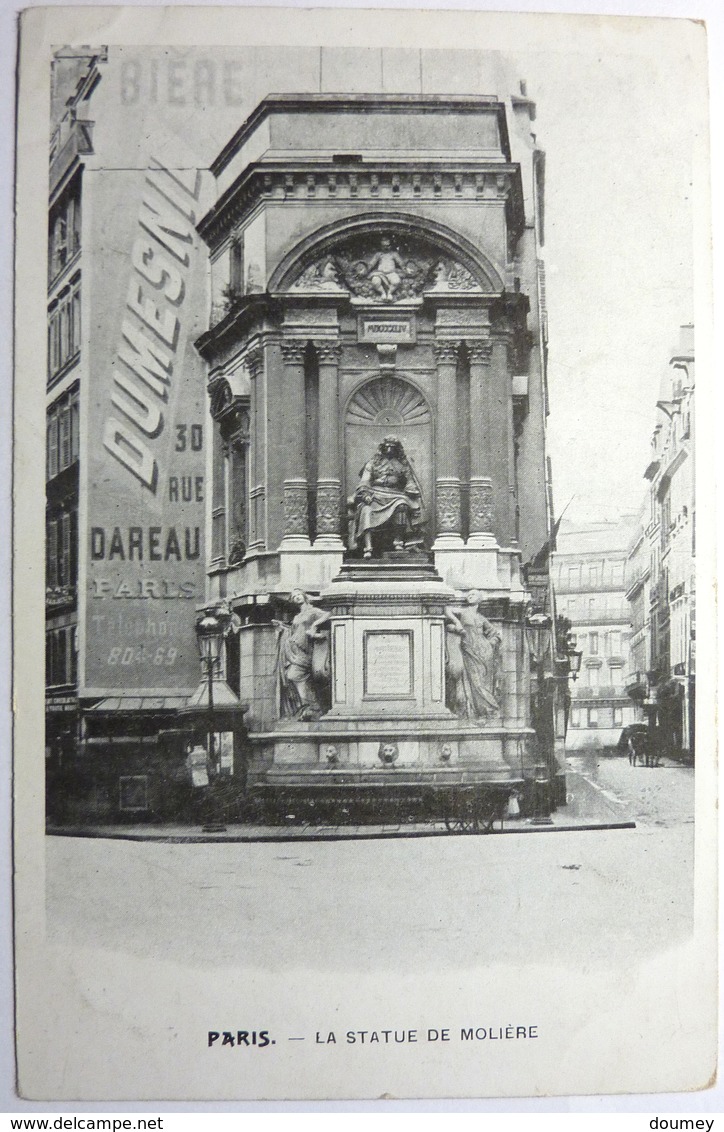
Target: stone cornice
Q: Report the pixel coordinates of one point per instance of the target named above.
(380, 182)
(247, 314)
(362, 104)
(508, 312)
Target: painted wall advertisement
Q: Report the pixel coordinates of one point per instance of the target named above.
(144, 292)
(145, 423)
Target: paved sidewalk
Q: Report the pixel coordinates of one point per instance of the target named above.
(587, 809)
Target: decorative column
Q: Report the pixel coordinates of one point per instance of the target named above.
(447, 484)
(329, 483)
(296, 523)
(257, 489)
(501, 428)
(482, 438)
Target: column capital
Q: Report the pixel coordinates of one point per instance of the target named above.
(328, 350)
(446, 351)
(293, 351)
(480, 351)
(255, 361)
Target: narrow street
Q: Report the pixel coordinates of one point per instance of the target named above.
(652, 796)
(440, 901)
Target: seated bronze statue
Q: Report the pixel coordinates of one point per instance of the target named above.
(388, 500)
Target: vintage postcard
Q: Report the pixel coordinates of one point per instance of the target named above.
(358, 749)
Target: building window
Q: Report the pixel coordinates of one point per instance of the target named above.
(64, 230)
(236, 267)
(237, 487)
(230, 504)
(618, 717)
(593, 576)
(614, 640)
(593, 677)
(593, 644)
(61, 662)
(64, 328)
(574, 574)
(617, 573)
(593, 717)
(62, 434)
(616, 675)
(575, 718)
(591, 606)
(665, 520)
(61, 549)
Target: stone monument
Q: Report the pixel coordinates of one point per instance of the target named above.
(379, 470)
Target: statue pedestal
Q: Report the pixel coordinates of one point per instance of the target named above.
(388, 713)
(308, 567)
(388, 641)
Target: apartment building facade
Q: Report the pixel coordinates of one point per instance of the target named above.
(589, 577)
(662, 559)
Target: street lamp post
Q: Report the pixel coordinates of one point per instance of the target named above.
(538, 634)
(209, 634)
(575, 656)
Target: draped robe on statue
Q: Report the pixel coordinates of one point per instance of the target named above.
(388, 494)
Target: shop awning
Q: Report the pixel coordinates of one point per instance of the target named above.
(223, 699)
(111, 705)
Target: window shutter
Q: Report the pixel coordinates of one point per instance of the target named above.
(74, 427)
(64, 556)
(64, 440)
(51, 553)
(52, 445)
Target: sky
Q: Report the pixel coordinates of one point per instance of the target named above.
(617, 132)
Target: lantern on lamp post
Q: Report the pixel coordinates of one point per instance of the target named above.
(575, 656)
(209, 637)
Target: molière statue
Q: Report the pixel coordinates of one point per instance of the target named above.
(388, 500)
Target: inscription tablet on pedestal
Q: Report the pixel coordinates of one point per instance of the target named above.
(388, 664)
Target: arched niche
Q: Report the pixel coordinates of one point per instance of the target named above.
(389, 405)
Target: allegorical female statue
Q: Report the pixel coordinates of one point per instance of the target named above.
(472, 659)
(388, 497)
(302, 661)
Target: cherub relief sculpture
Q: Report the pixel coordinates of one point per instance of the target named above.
(303, 670)
(472, 659)
(388, 499)
(384, 269)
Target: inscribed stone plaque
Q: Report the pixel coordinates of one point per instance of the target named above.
(387, 330)
(388, 664)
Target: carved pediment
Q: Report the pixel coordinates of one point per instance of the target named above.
(380, 268)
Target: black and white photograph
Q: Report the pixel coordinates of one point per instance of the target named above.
(356, 523)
